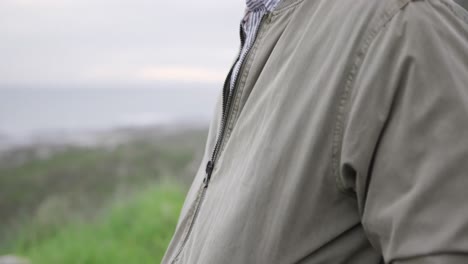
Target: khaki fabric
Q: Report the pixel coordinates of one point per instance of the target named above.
(347, 141)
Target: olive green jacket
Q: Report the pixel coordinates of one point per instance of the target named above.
(346, 141)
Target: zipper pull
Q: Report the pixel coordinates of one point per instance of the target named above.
(208, 170)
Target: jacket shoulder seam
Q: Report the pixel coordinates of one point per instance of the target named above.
(379, 23)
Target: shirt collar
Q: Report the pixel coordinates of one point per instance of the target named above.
(258, 5)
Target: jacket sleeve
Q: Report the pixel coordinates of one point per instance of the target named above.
(405, 145)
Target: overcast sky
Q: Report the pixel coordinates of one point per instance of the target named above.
(94, 42)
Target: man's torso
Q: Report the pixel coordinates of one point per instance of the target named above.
(274, 194)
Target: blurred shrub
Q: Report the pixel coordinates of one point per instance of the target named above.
(135, 231)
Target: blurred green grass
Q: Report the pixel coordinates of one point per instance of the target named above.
(136, 231)
(98, 204)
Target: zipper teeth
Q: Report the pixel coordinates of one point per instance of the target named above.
(227, 104)
(227, 97)
(215, 149)
(226, 93)
(195, 214)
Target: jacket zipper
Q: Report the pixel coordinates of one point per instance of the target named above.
(208, 167)
(227, 97)
(227, 100)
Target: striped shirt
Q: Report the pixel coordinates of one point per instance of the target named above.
(250, 24)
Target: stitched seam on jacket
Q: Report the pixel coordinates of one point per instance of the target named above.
(241, 85)
(187, 226)
(388, 13)
(457, 11)
(284, 8)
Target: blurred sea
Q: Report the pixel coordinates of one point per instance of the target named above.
(29, 111)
